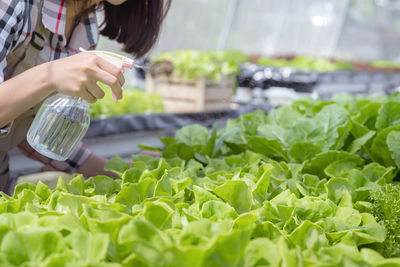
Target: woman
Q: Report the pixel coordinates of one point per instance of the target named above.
(39, 42)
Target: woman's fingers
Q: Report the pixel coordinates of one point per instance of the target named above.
(88, 96)
(95, 90)
(77, 76)
(112, 69)
(121, 78)
(109, 80)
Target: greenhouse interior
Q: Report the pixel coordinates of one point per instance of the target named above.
(248, 133)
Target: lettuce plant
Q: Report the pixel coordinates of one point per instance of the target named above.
(309, 184)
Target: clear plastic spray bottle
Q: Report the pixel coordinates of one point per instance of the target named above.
(62, 121)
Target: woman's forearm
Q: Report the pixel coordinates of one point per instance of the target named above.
(24, 91)
(74, 76)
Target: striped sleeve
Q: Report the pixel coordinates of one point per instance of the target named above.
(11, 27)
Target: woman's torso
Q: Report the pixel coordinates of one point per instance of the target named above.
(43, 41)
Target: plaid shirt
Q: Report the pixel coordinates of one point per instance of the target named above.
(15, 26)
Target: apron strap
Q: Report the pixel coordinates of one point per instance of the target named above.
(17, 55)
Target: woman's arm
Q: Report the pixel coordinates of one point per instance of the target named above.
(23, 92)
(74, 76)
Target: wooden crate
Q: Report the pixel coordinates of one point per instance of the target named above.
(182, 96)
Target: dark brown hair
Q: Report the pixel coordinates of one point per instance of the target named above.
(135, 23)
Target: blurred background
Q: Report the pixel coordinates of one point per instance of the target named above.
(346, 29)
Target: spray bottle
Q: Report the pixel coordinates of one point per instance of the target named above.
(62, 121)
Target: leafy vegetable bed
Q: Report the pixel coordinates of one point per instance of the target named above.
(133, 101)
(306, 63)
(308, 185)
(195, 64)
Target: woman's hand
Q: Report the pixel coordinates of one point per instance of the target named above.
(77, 76)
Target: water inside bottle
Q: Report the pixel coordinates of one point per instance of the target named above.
(59, 126)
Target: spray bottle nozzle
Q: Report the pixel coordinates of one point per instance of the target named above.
(127, 63)
(114, 58)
